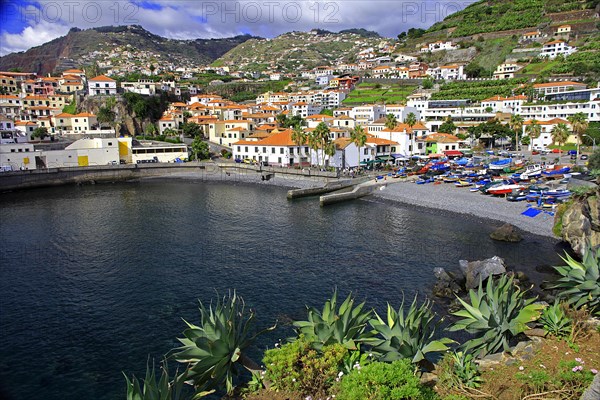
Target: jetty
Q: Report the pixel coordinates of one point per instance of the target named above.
(358, 191)
(327, 188)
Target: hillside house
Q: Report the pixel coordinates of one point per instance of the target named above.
(102, 85)
(555, 48)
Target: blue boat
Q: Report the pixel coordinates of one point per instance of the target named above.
(556, 172)
(500, 164)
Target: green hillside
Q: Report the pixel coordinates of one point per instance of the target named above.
(502, 15)
(295, 50)
(78, 44)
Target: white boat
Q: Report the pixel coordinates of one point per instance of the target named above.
(532, 171)
(503, 189)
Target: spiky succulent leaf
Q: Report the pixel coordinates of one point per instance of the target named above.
(345, 325)
(151, 389)
(495, 315)
(579, 285)
(213, 349)
(406, 334)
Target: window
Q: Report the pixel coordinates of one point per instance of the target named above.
(110, 143)
(273, 150)
(306, 150)
(264, 150)
(279, 160)
(281, 150)
(256, 149)
(246, 149)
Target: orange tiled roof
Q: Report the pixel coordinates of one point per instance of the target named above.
(102, 78)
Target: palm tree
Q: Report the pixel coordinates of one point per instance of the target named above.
(516, 124)
(329, 150)
(560, 133)
(359, 138)
(534, 130)
(313, 142)
(411, 120)
(391, 123)
(579, 124)
(321, 134)
(299, 137)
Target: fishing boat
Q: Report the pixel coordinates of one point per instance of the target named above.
(450, 178)
(463, 183)
(532, 171)
(556, 172)
(519, 196)
(503, 189)
(500, 164)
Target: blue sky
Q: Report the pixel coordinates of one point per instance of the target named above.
(24, 24)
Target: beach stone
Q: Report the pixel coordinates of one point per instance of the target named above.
(537, 332)
(446, 285)
(481, 270)
(429, 379)
(507, 233)
(492, 360)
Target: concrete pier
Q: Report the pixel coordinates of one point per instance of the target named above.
(328, 188)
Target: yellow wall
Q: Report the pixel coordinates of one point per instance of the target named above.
(82, 161)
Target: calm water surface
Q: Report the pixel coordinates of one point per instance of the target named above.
(95, 279)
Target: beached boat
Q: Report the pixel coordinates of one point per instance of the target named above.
(462, 183)
(500, 164)
(556, 172)
(532, 171)
(503, 189)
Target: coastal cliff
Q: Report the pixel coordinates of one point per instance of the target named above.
(578, 222)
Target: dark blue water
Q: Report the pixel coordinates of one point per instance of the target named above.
(94, 279)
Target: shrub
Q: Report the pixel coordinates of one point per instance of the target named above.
(495, 315)
(152, 389)
(579, 284)
(383, 381)
(297, 367)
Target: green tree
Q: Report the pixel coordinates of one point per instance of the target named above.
(448, 126)
(321, 133)
(560, 133)
(327, 111)
(40, 132)
(534, 130)
(390, 124)
(579, 124)
(299, 137)
(106, 116)
(428, 83)
(192, 129)
(170, 132)
(151, 129)
(359, 138)
(516, 124)
(200, 150)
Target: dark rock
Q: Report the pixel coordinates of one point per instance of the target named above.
(506, 233)
(593, 391)
(581, 224)
(521, 276)
(481, 270)
(446, 286)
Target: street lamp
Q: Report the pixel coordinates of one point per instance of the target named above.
(593, 141)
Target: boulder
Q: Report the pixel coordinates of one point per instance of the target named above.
(477, 271)
(446, 285)
(580, 223)
(506, 233)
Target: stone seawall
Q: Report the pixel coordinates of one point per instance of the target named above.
(18, 180)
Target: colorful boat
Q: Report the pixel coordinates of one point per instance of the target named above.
(504, 189)
(501, 164)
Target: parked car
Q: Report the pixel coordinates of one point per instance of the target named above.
(584, 157)
(572, 152)
(535, 153)
(556, 150)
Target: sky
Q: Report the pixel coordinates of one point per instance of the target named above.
(25, 24)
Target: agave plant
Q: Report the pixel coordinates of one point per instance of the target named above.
(466, 370)
(495, 315)
(580, 282)
(151, 389)
(214, 350)
(346, 325)
(555, 321)
(407, 335)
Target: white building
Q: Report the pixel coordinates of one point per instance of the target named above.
(278, 149)
(143, 86)
(545, 138)
(506, 71)
(17, 156)
(447, 72)
(102, 85)
(438, 46)
(555, 48)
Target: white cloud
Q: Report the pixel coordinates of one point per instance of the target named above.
(187, 19)
(31, 36)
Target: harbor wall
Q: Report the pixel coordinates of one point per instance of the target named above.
(18, 180)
